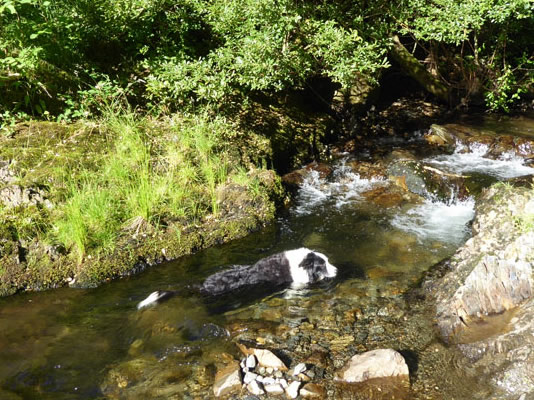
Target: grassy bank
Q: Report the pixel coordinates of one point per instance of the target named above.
(89, 201)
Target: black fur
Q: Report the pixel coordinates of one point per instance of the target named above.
(273, 270)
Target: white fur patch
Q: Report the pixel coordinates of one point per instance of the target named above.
(152, 298)
(298, 274)
(331, 271)
(295, 257)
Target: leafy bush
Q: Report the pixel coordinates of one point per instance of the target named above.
(481, 48)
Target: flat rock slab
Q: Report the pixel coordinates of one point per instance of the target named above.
(379, 363)
(227, 380)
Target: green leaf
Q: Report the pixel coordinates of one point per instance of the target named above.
(11, 8)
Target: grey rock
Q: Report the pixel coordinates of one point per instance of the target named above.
(492, 272)
(7, 175)
(489, 285)
(15, 195)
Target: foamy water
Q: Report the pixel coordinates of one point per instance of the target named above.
(344, 187)
(437, 220)
(509, 165)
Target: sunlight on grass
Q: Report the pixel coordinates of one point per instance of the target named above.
(150, 177)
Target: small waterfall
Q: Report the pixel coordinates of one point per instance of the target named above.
(438, 220)
(343, 187)
(476, 160)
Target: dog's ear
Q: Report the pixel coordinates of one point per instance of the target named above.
(311, 261)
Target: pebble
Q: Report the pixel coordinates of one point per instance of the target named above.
(267, 380)
(251, 362)
(274, 389)
(255, 388)
(299, 368)
(249, 377)
(303, 378)
(292, 390)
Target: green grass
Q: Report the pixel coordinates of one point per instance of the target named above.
(151, 176)
(124, 177)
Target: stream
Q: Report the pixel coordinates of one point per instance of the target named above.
(382, 236)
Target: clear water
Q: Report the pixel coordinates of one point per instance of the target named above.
(86, 344)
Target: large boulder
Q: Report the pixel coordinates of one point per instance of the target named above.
(379, 363)
(492, 272)
(498, 138)
(485, 302)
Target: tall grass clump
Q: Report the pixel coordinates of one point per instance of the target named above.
(88, 218)
(151, 175)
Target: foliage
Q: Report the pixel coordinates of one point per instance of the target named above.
(480, 47)
(72, 58)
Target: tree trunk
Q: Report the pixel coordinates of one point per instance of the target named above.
(411, 66)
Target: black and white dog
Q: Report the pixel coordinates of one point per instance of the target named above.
(296, 267)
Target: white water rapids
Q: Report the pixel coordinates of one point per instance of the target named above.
(476, 160)
(435, 219)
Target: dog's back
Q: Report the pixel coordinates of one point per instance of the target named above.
(273, 270)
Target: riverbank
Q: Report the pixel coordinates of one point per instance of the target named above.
(84, 203)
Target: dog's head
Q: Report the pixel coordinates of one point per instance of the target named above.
(317, 267)
(309, 266)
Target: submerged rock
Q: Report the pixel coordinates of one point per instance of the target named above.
(373, 364)
(313, 391)
(265, 358)
(227, 380)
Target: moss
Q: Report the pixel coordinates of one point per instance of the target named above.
(133, 257)
(297, 133)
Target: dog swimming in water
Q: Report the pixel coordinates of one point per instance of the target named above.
(296, 267)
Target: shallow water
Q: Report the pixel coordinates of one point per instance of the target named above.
(85, 344)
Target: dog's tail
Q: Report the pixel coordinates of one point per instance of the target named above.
(156, 298)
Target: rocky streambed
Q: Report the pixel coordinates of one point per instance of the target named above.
(448, 315)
